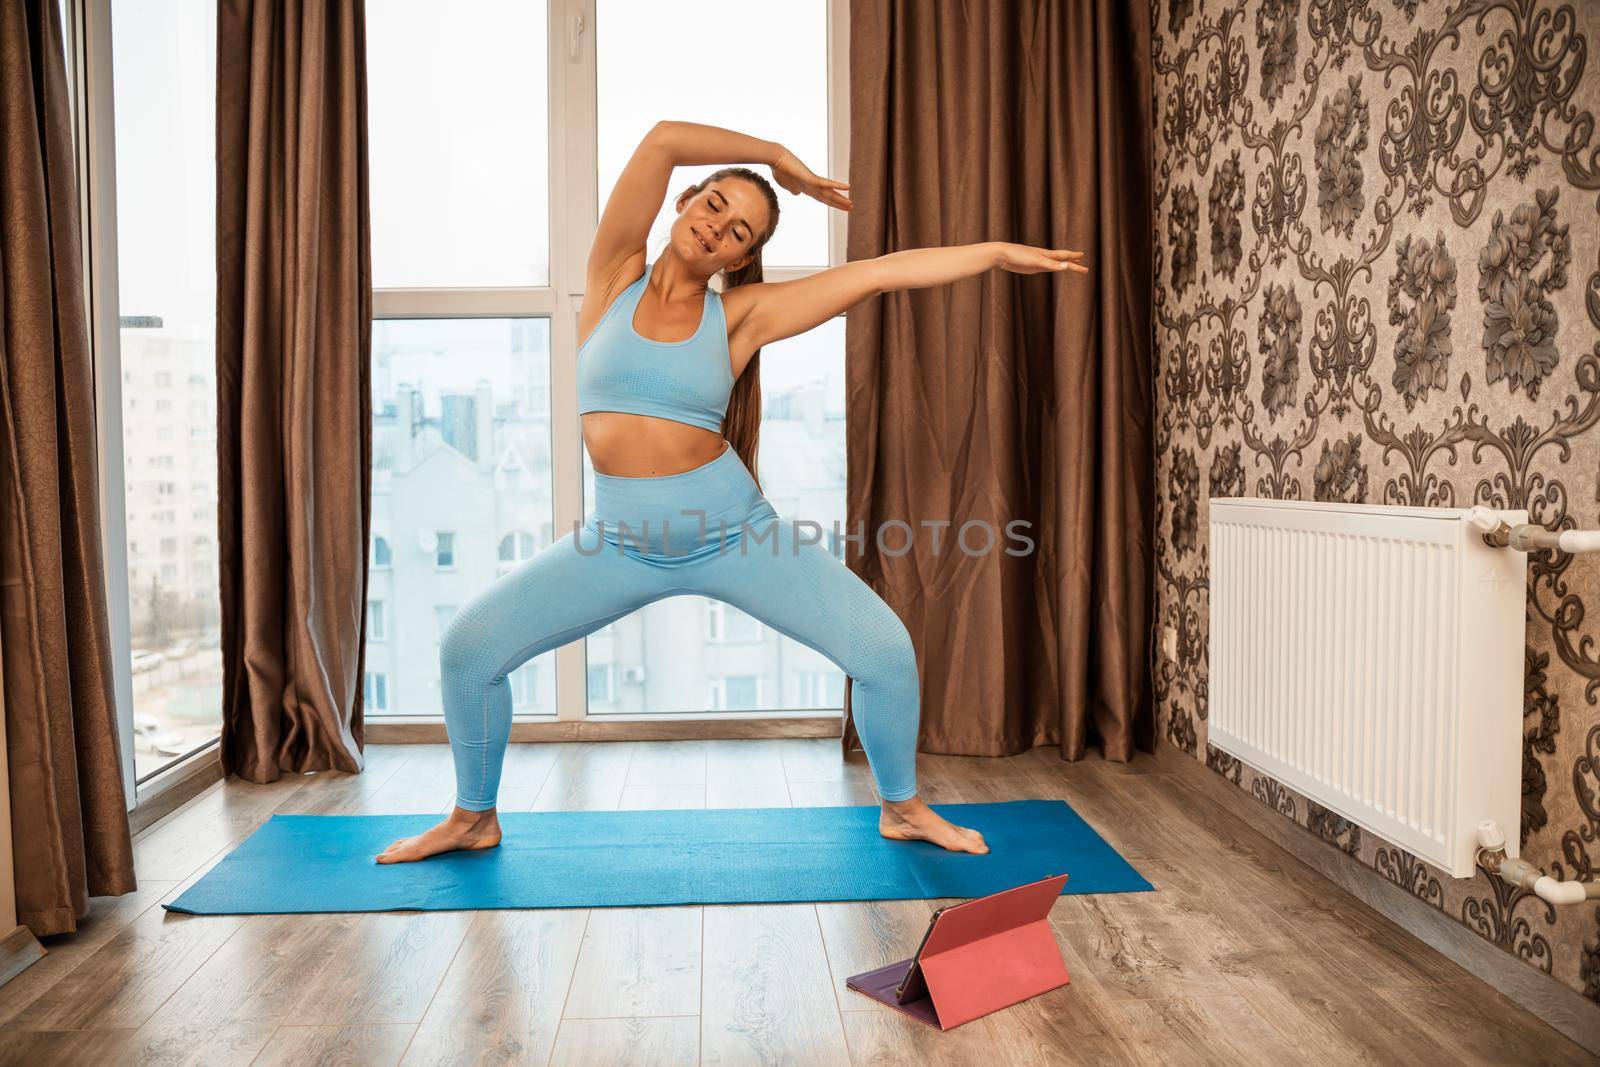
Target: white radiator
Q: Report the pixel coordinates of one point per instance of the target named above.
(1371, 657)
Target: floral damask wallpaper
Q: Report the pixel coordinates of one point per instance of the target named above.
(1378, 280)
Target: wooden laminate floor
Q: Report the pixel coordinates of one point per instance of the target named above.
(1242, 955)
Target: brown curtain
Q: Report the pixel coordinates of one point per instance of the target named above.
(69, 819)
(1008, 397)
(294, 412)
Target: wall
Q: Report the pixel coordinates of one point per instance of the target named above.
(1378, 280)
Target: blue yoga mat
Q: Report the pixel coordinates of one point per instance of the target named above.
(583, 859)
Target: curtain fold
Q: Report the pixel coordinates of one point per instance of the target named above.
(294, 408)
(1006, 397)
(69, 820)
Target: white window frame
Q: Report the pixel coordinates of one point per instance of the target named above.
(573, 217)
(88, 40)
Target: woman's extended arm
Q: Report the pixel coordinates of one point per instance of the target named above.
(691, 144)
(778, 310)
(918, 268)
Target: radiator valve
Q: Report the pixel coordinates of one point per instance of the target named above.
(1528, 536)
(1496, 531)
(1492, 858)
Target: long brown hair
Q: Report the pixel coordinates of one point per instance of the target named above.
(742, 423)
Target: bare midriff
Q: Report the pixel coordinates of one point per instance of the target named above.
(624, 445)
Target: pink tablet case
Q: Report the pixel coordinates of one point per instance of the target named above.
(976, 957)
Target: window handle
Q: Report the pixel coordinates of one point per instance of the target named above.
(574, 34)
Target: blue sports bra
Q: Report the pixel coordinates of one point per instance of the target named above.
(685, 381)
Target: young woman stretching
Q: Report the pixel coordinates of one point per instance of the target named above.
(670, 399)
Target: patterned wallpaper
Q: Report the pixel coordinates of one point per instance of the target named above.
(1378, 280)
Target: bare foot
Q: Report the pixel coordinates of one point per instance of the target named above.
(462, 829)
(913, 820)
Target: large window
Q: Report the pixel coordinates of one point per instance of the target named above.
(496, 132)
(463, 487)
(164, 83)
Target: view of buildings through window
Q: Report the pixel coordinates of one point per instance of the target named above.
(462, 480)
(164, 84)
(462, 495)
(461, 491)
(692, 653)
(676, 655)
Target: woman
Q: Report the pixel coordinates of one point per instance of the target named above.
(669, 394)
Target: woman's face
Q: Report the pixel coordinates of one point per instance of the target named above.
(719, 225)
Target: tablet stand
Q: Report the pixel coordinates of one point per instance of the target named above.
(976, 957)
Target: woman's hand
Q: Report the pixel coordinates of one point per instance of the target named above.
(1025, 259)
(797, 178)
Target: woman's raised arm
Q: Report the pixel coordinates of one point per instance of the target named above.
(691, 144)
(632, 206)
(641, 187)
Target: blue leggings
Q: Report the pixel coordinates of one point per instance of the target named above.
(645, 539)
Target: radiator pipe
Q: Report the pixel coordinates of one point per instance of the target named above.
(1492, 857)
(1526, 537)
